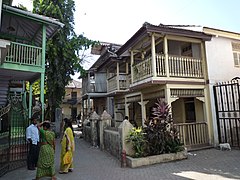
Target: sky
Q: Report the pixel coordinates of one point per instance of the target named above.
(116, 21)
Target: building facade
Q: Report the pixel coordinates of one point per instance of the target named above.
(72, 106)
(23, 37)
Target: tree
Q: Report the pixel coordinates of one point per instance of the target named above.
(63, 50)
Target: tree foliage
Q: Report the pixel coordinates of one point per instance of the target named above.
(62, 53)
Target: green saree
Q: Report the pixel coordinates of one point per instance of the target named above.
(45, 166)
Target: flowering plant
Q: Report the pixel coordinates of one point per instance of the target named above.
(136, 137)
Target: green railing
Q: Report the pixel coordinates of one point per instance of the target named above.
(24, 54)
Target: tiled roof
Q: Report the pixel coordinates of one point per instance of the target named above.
(74, 84)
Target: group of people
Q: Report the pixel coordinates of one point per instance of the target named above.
(42, 145)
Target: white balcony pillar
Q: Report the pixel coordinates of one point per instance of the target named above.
(126, 107)
(154, 69)
(168, 98)
(108, 89)
(132, 61)
(126, 67)
(205, 72)
(117, 78)
(88, 105)
(143, 109)
(165, 50)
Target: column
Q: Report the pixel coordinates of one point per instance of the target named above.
(126, 107)
(30, 100)
(43, 67)
(143, 109)
(165, 50)
(94, 119)
(132, 72)
(154, 69)
(117, 78)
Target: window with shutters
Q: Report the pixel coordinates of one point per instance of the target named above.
(236, 54)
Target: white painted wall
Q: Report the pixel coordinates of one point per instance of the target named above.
(221, 68)
(220, 61)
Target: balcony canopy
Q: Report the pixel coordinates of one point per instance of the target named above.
(26, 27)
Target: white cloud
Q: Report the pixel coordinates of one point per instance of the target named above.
(27, 3)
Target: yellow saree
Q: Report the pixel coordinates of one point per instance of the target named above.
(67, 149)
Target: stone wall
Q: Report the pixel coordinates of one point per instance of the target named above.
(98, 131)
(87, 134)
(112, 142)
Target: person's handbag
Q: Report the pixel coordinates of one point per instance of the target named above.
(67, 158)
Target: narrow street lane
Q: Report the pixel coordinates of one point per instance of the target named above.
(94, 164)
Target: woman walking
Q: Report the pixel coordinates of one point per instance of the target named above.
(45, 165)
(68, 147)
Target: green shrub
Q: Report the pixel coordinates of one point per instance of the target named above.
(136, 137)
(159, 136)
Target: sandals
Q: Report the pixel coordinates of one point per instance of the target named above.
(62, 172)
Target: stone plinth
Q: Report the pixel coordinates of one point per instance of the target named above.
(137, 162)
(124, 129)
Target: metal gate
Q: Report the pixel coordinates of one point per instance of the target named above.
(4, 140)
(227, 102)
(13, 145)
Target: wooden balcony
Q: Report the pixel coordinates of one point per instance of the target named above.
(117, 83)
(178, 66)
(71, 101)
(96, 85)
(23, 54)
(193, 135)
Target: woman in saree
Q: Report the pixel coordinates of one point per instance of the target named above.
(68, 147)
(45, 165)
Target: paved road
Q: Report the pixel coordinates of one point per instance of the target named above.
(93, 164)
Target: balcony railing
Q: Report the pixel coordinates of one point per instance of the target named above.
(24, 54)
(185, 67)
(72, 101)
(192, 134)
(118, 82)
(179, 66)
(142, 70)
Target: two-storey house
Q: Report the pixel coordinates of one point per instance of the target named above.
(72, 106)
(161, 62)
(181, 66)
(169, 63)
(23, 38)
(101, 79)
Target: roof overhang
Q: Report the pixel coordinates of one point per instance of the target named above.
(162, 30)
(26, 25)
(19, 75)
(221, 33)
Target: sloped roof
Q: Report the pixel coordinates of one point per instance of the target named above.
(74, 84)
(222, 33)
(161, 29)
(27, 25)
(108, 50)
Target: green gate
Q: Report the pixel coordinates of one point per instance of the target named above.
(4, 139)
(13, 145)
